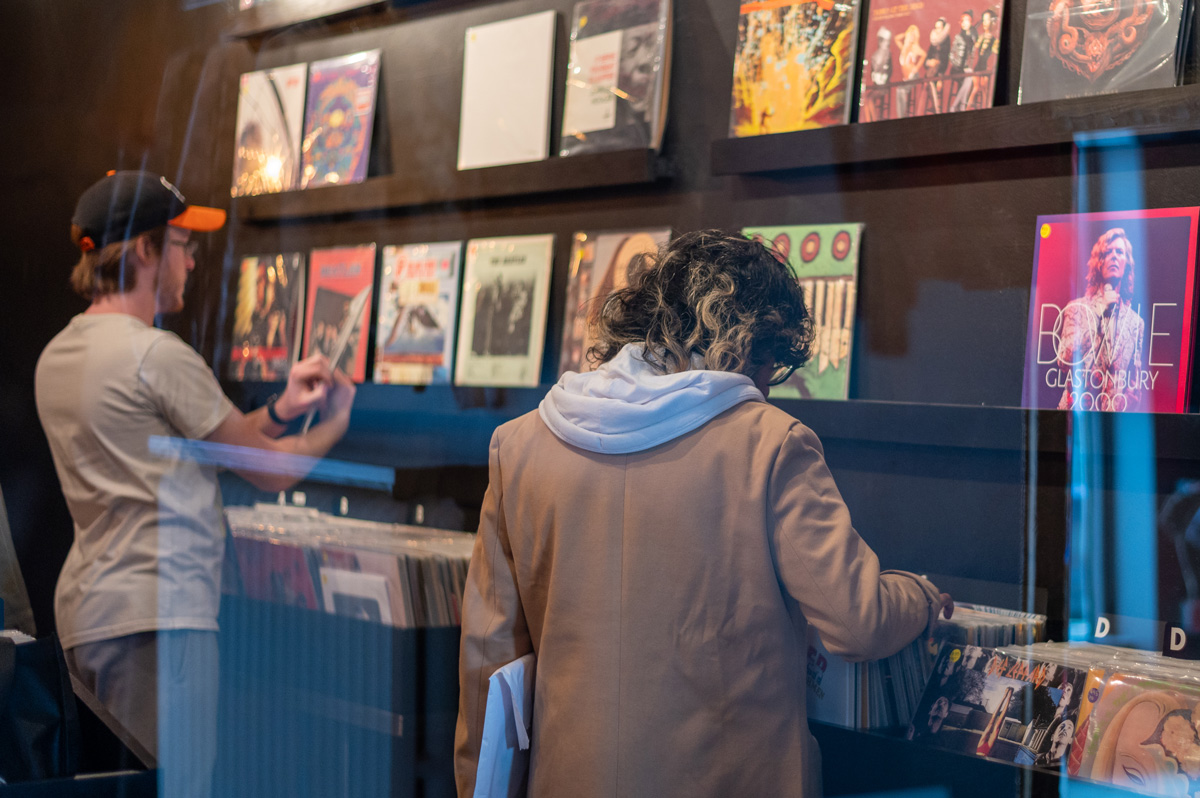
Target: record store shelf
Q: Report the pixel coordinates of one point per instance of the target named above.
(264, 17)
(599, 170)
(442, 425)
(1173, 436)
(1144, 116)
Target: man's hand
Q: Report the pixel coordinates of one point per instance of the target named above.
(944, 607)
(341, 397)
(309, 383)
(1111, 297)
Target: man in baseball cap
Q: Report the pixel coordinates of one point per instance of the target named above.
(125, 204)
(136, 601)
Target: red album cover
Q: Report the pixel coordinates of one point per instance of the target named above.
(1110, 312)
(276, 571)
(336, 278)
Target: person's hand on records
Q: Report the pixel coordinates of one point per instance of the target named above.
(944, 607)
(308, 385)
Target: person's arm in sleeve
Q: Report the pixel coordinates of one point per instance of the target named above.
(860, 612)
(494, 631)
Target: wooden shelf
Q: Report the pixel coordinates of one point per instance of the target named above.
(269, 15)
(628, 167)
(1173, 436)
(1086, 121)
(453, 426)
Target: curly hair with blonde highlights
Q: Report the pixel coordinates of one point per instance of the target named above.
(729, 300)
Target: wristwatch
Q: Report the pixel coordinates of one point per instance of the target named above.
(271, 411)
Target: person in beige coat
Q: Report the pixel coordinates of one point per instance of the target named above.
(661, 537)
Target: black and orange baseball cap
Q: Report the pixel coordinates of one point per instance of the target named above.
(126, 204)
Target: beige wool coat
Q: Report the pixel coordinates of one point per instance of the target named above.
(666, 595)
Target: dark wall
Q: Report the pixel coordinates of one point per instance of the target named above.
(89, 87)
(945, 268)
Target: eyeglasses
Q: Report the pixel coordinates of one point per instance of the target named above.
(189, 247)
(781, 374)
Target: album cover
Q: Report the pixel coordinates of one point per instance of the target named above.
(269, 119)
(358, 595)
(277, 571)
(832, 684)
(600, 264)
(1142, 736)
(981, 702)
(266, 317)
(1110, 311)
(336, 278)
(506, 286)
(1075, 48)
(508, 68)
(824, 259)
(382, 564)
(418, 308)
(618, 77)
(339, 119)
(793, 66)
(926, 58)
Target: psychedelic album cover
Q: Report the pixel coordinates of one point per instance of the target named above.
(824, 259)
(506, 287)
(418, 307)
(1110, 311)
(793, 66)
(926, 58)
(335, 278)
(618, 76)
(600, 264)
(266, 318)
(340, 116)
(1080, 48)
(1142, 736)
(269, 118)
(983, 703)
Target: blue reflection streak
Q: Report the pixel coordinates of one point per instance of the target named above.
(317, 469)
(1111, 551)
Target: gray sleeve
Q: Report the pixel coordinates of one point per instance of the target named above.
(183, 388)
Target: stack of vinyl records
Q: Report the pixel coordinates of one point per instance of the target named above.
(393, 574)
(885, 693)
(1111, 715)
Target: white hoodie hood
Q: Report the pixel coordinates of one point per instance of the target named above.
(626, 405)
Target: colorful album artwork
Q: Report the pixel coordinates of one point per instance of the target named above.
(337, 278)
(266, 318)
(929, 58)
(824, 259)
(506, 287)
(793, 66)
(1110, 312)
(269, 118)
(981, 702)
(339, 120)
(1076, 48)
(418, 308)
(600, 264)
(1142, 736)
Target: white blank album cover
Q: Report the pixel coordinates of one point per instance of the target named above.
(508, 69)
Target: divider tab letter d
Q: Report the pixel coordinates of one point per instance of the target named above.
(1178, 639)
(1102, 627)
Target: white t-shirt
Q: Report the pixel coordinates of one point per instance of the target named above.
(149, 537)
